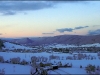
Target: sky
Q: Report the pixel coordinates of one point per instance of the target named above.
(49, 18)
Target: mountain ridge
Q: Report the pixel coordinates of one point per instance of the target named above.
(60, 39)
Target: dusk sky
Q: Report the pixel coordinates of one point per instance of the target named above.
(49, 18)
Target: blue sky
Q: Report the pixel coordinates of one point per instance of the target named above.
(49, 18)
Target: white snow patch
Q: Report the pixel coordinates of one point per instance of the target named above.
(12, 46)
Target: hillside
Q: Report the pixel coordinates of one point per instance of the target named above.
(61, 39)
(12, 46)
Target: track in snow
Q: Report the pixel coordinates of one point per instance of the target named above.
(59, 72)
(54, 72)
(64, 72)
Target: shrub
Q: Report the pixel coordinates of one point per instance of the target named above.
(80, 56)
(97, 68)
(33, 59)
(80, 66)
(6, 61)
(41, 64)
(90, 68)
(44, 72)
(60, 64)
(24, 62)
(44, 59)
(2, 72)
(98, 54)
(1, 59)
(91, 58)
(69, 57)
(15, 60)
(37, 59)
(53, 57)
(93, 68)
(46, 64)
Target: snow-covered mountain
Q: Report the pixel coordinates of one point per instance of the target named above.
(61, 39)
(12, 46)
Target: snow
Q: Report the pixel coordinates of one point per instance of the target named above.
(25, 69)
(68, 46)
(74, 70)
(15, 68)
(27, 56)
(60, 46)
(91, 45)
(52, 72)
(12, 46)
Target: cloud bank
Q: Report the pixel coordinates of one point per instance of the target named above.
(95, 32)
(64, 29)
(70, 29)
(1, 34)
(80, 27)
(12, 7)
(47, 33)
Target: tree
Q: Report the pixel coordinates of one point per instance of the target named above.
(60, 49)
(90, 68)
(1, 44)
(55, 49)
(1, 59)
(80, 66)
(67, 50)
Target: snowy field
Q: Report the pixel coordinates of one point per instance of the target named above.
(15, 68)
(69, 46)
(25, 69)
(12, 46)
